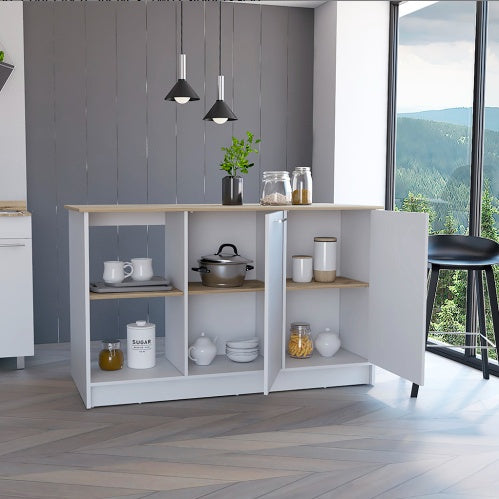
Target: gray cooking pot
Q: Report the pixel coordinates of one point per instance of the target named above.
(222, 269)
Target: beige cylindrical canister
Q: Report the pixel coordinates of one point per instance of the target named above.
(141, 345)
(324, 259)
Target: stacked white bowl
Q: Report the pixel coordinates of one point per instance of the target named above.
(245, 350)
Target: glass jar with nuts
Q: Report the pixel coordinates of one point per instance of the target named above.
(300, 344)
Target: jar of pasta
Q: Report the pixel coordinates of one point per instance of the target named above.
(300, 344)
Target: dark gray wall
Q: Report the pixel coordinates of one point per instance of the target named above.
(99, 131)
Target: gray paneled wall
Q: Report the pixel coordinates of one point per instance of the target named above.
(99, 131)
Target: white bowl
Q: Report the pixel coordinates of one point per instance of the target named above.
(241, 350)
(239, 357)
(248, 343)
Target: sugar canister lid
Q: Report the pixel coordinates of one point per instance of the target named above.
(140, 325)
(324, 239)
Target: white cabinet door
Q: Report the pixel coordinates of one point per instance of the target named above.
(397, 292)
(16, 298)
(275, 282)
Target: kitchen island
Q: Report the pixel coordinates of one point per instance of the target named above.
(377, 303)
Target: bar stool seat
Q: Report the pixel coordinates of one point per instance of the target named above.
(470, 253)
(462, 252)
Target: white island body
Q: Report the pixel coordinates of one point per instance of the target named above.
(377, 303)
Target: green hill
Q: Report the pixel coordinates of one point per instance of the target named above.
(457, 116)
(433, 159)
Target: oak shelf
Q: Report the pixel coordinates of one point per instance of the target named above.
(249, 286)
(135, 294)
(339, 282)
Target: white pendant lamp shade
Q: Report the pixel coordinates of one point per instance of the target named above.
(182, 92)
(220, 112)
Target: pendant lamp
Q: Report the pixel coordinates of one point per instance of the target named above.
(220, 111)
(182, 92)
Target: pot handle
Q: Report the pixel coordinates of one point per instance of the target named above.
(201, 270)
(249, 267)
(222, 246)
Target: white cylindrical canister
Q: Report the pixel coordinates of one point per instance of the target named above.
(324, 259)
(141, 345)
(302, 268)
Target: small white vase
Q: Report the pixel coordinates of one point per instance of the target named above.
(327, 343)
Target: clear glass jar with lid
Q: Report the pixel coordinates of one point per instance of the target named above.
(301, 181)
(276, 188)
(111, 356)
(300, 344)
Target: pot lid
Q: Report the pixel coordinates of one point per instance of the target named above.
(225, 257)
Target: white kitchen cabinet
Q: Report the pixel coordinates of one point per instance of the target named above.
(16, 292)
(377, 303)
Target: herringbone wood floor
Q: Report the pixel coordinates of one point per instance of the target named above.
(351, 442)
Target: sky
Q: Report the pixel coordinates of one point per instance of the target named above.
(435, 57)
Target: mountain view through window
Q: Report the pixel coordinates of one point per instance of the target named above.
(433, 147)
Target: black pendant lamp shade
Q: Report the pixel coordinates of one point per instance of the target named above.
(182, 92)
(220, 112)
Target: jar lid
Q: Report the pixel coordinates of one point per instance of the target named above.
(140, 325)
(322, 239)
(278, 174)
(300, 326)
(302, 168)
(301, 256)
(111, 344)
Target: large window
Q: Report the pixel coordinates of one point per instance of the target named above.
(435, 99)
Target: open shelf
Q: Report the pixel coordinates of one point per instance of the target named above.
(339, 282)
(342, 358)
(134, 294)
(249, 286)
(223, 365)
(163, 369)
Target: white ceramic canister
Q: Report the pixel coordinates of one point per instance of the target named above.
(324, 259)
(302, 268)
(327, 342)
(141, 345)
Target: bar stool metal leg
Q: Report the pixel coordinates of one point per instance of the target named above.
(481, 321)
(491, 285)
(430, 300)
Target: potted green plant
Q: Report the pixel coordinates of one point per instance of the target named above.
(5, 70)
(236, 160)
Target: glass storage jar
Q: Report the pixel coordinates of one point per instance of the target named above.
(111, 355)
(300, 344)
(301, 181)
(276, 188)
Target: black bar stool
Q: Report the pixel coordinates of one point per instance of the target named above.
(456, 252)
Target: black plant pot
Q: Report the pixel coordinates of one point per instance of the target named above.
(232, 190)
(5, 70)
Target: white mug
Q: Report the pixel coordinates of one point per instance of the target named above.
(302, 268)
(142, 269)
(114, 271)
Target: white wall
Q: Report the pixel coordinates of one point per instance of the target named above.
(359, 53)
(12, 117)
(324, 101)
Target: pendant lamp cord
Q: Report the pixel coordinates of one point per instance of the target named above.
(220, 38)
(181, 28)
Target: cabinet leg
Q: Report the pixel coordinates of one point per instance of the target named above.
(414, 390)
(20, 362)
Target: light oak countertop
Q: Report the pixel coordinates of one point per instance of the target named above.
(159, 208)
